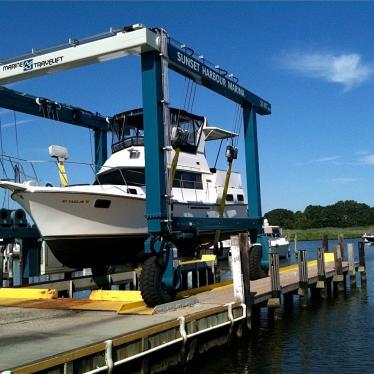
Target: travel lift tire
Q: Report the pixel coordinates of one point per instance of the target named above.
(102, 270)
(255, 270)
(153, 290)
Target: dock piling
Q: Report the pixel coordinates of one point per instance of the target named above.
(351, 265)
(244, 259)
(1, 268)
(274, 301)
(338, 278)
(303, 277)
(10, 270)
(321, 283)
(325, 242)
(362, 265)
(342, 247)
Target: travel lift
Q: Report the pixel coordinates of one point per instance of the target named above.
(158, 52)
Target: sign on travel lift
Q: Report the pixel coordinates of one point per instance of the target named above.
(120, 43)
(215, 78)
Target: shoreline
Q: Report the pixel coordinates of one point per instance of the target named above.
(331, 232)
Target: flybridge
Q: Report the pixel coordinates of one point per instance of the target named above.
(117, 43)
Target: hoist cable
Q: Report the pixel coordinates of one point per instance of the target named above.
(219, 150)
(91, 147)
(16, 132)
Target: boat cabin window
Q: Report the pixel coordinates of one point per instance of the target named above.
(185, 179)
(122, 176)
(240, 197)
(229, 197)
(185, 128)
(128, 130)
(100, 203)
(276, 232)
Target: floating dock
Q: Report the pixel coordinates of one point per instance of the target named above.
(42, 333)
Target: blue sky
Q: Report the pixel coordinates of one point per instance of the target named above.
(313, 61)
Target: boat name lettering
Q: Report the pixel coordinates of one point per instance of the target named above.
(211, 74)
(75, 201)
(29, 64)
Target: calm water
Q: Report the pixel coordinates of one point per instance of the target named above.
(332, 336)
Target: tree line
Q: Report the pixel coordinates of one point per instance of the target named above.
(341, 214)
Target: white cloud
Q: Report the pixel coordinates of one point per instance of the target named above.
(11, 124)
(324, 159)
(363, 152)
(367, 160)
(345, 69)
(342, 180)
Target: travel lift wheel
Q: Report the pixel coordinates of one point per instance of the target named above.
(159, 281)
(255, 269)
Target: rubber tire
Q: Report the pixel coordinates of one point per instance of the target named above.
(102, 270)
(255, 270)
(151, 287)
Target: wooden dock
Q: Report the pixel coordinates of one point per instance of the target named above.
(91, 336)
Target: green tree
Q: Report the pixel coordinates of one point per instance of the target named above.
(341, 214)
(281, 217)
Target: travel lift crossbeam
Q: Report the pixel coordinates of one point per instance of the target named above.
(158, 52)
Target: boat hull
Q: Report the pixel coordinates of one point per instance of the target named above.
(283, 250)
(85, 251)
(82, 233)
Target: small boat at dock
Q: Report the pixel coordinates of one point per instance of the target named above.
(368, 238)
(278, 243)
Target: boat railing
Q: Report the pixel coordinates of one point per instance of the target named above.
(20, 170)
(38, 172)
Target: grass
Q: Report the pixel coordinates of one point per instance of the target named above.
(332, 232)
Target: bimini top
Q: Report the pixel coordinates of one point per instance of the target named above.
(128, 130)
(216, 133)
(134, 117)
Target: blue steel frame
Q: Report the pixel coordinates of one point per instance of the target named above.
(21, 102)
(185, 62)
(154, 143)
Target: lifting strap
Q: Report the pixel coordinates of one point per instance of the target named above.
(173, 166)
(231, 154)
(223, 199)
(62, 173)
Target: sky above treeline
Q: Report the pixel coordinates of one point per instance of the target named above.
(313, 61)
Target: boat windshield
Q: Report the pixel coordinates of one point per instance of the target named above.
(127, 130)
(122, 176)
(276, 232)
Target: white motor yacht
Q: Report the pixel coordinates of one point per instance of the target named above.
(104, 223)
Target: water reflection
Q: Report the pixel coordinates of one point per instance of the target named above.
(335, 335)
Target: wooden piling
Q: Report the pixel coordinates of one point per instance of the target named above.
(362, 265)
(10, 270)
(351, 265)
(288, 300)
(195, 278)
(303, 277)
(274, 301)
(203, 277)
(338, 277)
(342, 247)
(184, 280)
(321, 283)
(244, 258)
(325, 243)
(1, 268)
